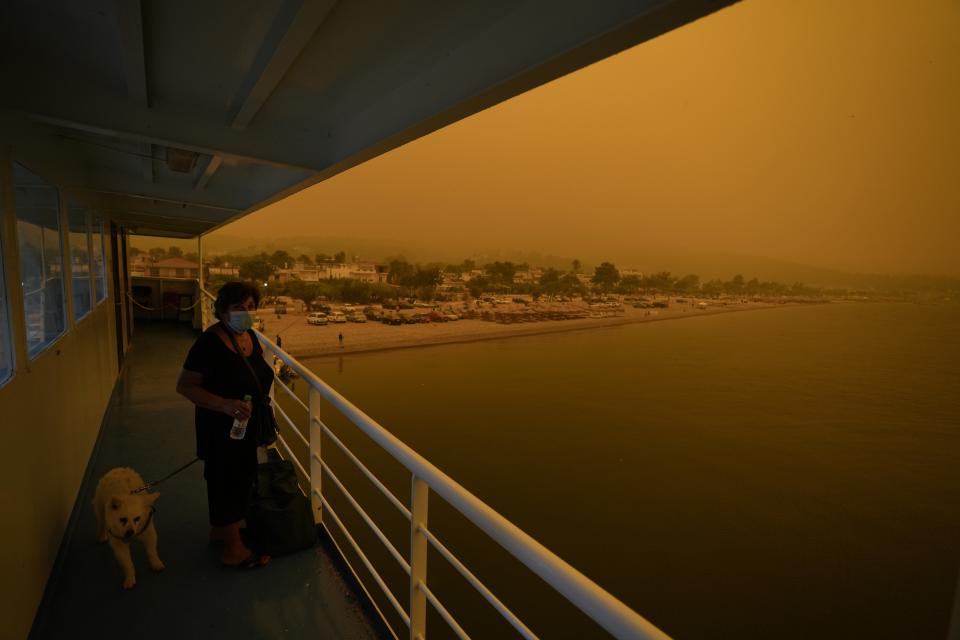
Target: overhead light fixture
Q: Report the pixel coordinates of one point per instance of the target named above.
(180, 160)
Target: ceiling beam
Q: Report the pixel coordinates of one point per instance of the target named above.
(169, 196)
(79, 106)
(292, 28)
(146, 149)
(130, 27)
(212, 165)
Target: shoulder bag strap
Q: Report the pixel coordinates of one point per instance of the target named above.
(256, 380)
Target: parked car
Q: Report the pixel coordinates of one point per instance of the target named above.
(356, 316)
(338, 318)
(317, 318)
(451, 316)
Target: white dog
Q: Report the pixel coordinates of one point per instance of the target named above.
(124, 516)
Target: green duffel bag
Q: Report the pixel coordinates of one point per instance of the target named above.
(280, 520)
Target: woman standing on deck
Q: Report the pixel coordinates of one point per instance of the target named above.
(215, 379)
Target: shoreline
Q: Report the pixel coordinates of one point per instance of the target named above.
(303, 341)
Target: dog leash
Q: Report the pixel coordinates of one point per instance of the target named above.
(150, 485)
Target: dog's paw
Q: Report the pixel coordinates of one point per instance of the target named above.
(157, 565)
(128, 583)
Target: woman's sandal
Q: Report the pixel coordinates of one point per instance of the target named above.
(253, 561)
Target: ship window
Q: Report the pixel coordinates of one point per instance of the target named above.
(41, 258)
(80, 259)
(6, 345)
(97, 264)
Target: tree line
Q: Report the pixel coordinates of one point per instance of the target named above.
(423, 280)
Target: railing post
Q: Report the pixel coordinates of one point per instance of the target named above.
(419, 494)
(316, 470)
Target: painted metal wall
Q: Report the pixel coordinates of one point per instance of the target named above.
(51, 411)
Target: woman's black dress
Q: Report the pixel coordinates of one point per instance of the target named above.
(230, 466)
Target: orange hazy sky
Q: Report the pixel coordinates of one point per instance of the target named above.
(823, 132)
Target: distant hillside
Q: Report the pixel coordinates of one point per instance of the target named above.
(706, 265)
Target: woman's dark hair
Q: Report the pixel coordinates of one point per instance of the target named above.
(235, 293)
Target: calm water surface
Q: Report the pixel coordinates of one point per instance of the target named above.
(786, 473)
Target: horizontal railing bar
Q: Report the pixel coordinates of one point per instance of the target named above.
(611, 614)
(383, 489)
(366, 561)
(292, 426)
(457, 629)
(292, 456)
(359, 580)
(510, 617)
(366, 518)
(290, 393)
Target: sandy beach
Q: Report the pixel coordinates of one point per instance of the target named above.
(303, 340)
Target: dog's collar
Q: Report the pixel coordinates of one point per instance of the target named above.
(146, 524)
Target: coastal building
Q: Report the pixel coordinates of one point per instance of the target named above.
(138, 264)
(472, 274)
(174, 268)
(363, 271)
(225, 270)
(528, 276)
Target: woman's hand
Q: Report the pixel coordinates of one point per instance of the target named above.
(241, 409)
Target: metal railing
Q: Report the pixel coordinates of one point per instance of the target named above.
(595, 602)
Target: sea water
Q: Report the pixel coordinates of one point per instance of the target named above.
(783, 473)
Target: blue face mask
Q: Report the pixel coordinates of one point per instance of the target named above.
(239, 321)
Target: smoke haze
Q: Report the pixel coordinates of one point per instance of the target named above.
(822, 133)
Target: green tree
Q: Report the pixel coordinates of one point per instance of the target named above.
(157, 253)
(570, 284)
(688, 284)
(428, 276)
(713, 288)
(629, 284)
(304, 259)
(606, 275)
(660, 281)
(501, 272)
(306, 291)
(735, 286)
(280, 259)
(400, 271)
(478, 286)
(576, 265)
(340, 256)
(550, 278)
(174, 252)
(322, 257)
(133, 252)
(256, 269)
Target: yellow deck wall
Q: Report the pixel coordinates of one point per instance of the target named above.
(50, 417)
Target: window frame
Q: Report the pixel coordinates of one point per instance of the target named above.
(33, 353)
(88, 220)
(101, 276)
(5, 310)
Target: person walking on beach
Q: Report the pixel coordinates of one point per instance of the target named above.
(340, 338)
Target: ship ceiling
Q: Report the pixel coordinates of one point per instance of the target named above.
(177, 117)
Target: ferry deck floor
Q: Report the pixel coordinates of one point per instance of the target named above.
(149, 427)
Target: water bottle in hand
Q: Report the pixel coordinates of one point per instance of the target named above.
(239, 428)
